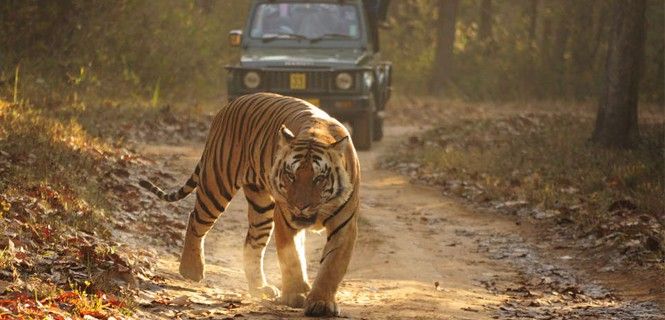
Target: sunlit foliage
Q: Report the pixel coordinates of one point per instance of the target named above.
(177, 49)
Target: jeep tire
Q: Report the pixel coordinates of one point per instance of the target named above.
(363, 130)
(377, 135)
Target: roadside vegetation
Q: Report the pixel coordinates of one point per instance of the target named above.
(537, 162)
(64, 168)
(54, 216)
(126, 50)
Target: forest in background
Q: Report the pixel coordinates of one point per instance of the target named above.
(176, 50)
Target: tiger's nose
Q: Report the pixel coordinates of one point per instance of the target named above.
(302, 207)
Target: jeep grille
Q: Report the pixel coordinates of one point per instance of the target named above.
(280, 81)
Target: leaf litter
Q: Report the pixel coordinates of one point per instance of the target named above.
(627, 238)
(63, 257)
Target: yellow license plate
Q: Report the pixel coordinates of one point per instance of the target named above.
(298, 81)
(314, 101)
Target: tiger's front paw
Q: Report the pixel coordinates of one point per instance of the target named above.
(294, 300)
(321, 308)
(192, 266)
(265, 292)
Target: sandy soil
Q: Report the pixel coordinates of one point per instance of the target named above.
(419, 255)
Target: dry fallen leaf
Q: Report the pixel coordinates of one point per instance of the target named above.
(4, 285)
(180, 301)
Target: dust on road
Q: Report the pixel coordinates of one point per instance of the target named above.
(419, 255)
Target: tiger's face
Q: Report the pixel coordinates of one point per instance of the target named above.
(309, 178)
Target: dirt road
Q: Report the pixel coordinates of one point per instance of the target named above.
(419, 255)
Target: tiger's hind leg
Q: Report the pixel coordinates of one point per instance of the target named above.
(206, 211)
(260, 217)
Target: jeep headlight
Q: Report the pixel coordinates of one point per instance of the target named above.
(251, 80)
(368, 77)
(344, 81)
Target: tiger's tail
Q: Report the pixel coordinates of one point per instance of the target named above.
(179, 194)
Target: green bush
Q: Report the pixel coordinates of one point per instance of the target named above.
(120, 49)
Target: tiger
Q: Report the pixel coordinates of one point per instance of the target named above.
(299, 170)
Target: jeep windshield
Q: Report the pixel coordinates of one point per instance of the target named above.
(305, 21)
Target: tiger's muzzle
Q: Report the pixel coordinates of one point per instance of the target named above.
(303, 218)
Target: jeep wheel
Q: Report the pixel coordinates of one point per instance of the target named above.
(363, 131)
(378, 128)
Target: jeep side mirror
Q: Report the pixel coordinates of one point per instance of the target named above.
(235, 38)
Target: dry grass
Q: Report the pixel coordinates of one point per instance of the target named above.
(52, 157)
(547, 160)
(57, 165)
(63, 143)
(540, 155)
(61, 150)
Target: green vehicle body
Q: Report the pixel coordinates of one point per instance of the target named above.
(318, 63)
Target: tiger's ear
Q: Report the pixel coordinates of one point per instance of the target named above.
(340, 144)
(285, 135)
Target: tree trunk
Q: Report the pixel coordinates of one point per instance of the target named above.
(599, 30)
(485, 26)
(445, 39)
(205, 5)
(580, 75)
(561, 36)
(533, 19)
(660, 74)
(582, 28)
(616, 122)
(546, 41)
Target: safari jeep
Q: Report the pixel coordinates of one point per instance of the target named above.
(325, 52)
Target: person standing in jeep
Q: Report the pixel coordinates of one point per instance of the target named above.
(322, 51)
(377, 14)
